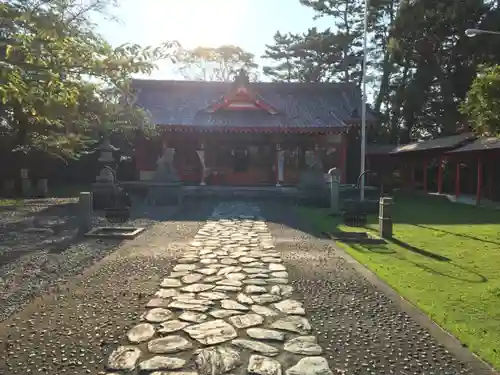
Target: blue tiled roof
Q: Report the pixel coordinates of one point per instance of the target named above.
(299, 104)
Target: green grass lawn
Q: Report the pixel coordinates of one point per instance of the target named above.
(461, 293)
(10, 202)
(58, 191)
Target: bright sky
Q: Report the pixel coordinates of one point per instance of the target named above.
(249, 24)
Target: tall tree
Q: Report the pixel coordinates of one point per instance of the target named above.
(434, 63)
(60, 81)
(216, 64)
(382, 15)
(312, 56)
(348, 19)
(283, 54)
(318, 55)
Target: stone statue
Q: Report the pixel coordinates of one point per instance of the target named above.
(165, 171)
(168, 191)
(313, 160)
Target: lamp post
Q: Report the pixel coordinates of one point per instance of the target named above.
(473, 32)
(363, 107)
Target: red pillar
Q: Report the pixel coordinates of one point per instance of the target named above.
(343, 158)
(479, 180)
(457, 179)
(440, 175)
(425, 175)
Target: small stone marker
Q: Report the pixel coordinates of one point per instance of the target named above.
(85, 208)
(334, 190)
(385, 217)
(43, 187)
(25, 182)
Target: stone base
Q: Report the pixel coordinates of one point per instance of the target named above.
(385, 227)
(26, 187)
(165, 195)
(103, 195)
(42, 188)
(146, 175)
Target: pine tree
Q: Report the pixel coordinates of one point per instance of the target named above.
(348, 20)
(282, 53)
(308, 57)
(318, 56)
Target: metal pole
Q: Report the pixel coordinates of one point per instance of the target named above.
(473, 32)
(363, 106)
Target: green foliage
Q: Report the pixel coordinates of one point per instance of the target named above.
(282, 53)
(348, 18)
(432, 64)
(420, 63)
(482, 104)
(216, 64)
(60, 82)
(313, 56)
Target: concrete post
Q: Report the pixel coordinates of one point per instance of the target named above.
(43, 187)
(85, 210)
(280, 157)
(385, 217)
(334, 191)
(25, 183)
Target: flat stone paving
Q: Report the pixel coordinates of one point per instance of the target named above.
(226, 307)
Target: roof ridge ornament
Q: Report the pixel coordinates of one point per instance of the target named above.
(242, 97)
(242, 78)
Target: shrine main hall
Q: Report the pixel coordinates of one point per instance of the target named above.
(248, 133)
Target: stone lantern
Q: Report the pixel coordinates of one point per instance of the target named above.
(105, 187)
(106, 150)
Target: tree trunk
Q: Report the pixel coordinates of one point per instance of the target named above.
(384, 82)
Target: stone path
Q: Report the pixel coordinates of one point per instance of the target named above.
(227, 307)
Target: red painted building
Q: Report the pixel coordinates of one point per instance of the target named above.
(471, 164)
(241, 133)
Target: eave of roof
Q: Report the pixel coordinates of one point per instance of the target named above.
(254, 129)
(480, 144)
(379, 149)
(443, 143)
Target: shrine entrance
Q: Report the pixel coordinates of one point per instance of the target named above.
(250, 158)
(240, 163)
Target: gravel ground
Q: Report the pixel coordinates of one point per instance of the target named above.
(40, 248)
(73, 329)
(361, 330)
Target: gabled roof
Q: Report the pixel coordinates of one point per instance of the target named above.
(281, 105)
(242, 98)
(443, 143)
(480, 144)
